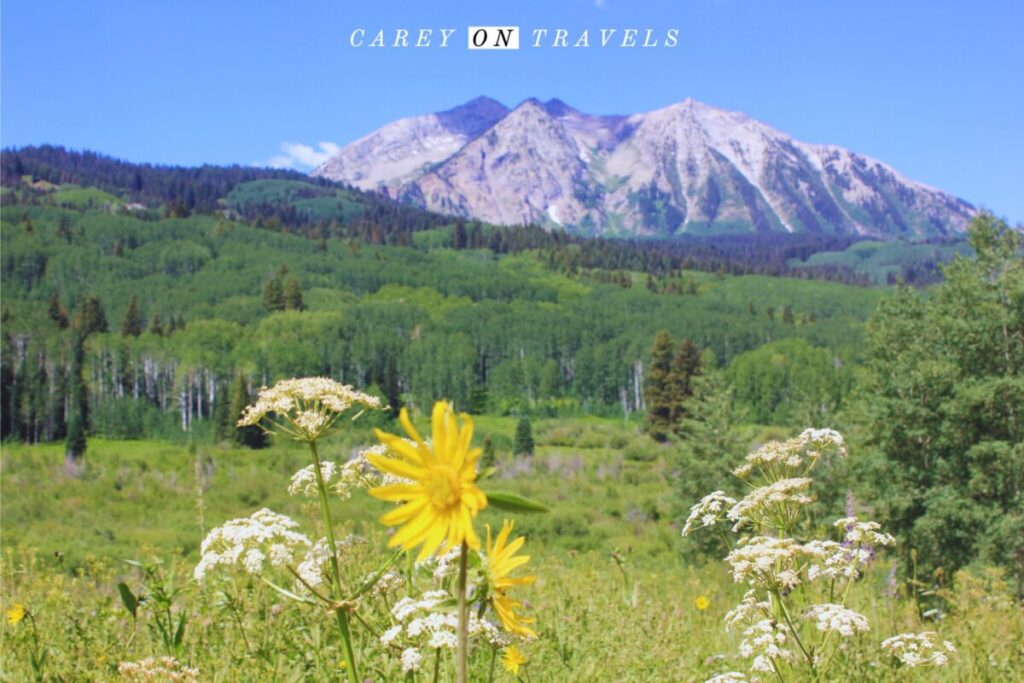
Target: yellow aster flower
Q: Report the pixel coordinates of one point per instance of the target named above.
(512, 660)
(701, 603)
(441, 497)
(501, 562)
(15, 613)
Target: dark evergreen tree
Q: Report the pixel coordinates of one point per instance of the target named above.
(524, 437)
(292, 294)
(273, 291)
(156, 325)
(133, 324)
(459, 237)
(685, 368)
(58, 313)
(657, 388)
(78, 419)
(90, 316)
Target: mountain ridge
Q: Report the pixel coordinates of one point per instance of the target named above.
(687, 168)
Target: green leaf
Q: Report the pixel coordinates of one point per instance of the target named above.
(180, 633)
(513, 502)
(128, 599)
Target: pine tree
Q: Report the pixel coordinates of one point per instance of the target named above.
(57, 313)
(459, 237)
(75, 442)
(292, 295)
(133, 324)
(524, 437)
(657, 389)
(156, 325)
(90, 316)
(252, 437)
(685, 368)
(273, 291)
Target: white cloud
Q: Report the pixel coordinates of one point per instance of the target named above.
(301, 157)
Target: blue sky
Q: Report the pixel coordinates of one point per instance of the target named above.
(933, 88)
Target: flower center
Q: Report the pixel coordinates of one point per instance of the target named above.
(443, 487)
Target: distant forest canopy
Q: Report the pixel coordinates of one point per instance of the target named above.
(168, 320)
(288, 201)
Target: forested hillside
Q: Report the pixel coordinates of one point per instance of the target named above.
(172, 311)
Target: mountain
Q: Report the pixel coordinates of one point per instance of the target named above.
(688, 168)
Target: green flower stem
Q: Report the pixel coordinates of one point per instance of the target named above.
(340, 612)
(494, 658)
(463, 616)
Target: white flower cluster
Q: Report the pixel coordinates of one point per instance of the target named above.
(730, 677)
(389, 582)
(819, 440)
(426, 623)
(157, 669)
(756, 561)
(251, 542)
(787, 457)
(443, 566)
(316, 565)
(341, 481)
(773, 505)
(832, 560)
(863, 533)
(747, 612)
(919, 649)
(708, 511)
(411, 660)
(765, 641)
(307, 407)
(837, 619)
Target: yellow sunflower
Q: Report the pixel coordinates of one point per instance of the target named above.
(512, 660)
(441, 497)
(501, 562)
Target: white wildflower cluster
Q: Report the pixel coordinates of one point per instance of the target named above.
(783, 458)
(747, 612)
(831, 560)
(765, 642)
(315, 567)
(863, 533)
(772, 565)
(837, 619)
(386, 584)
(919, 649)
(427, 623)
(157, 669)
(818, 441)
(708, 511)
(758, 560)
(443, 567)
(775, 505)
(341, 481)
(412, 659)
(730, 677)
(251, 542)
(305, 409)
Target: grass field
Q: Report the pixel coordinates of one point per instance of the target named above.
(611, 494)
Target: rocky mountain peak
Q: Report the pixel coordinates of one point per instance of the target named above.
(688, 168)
